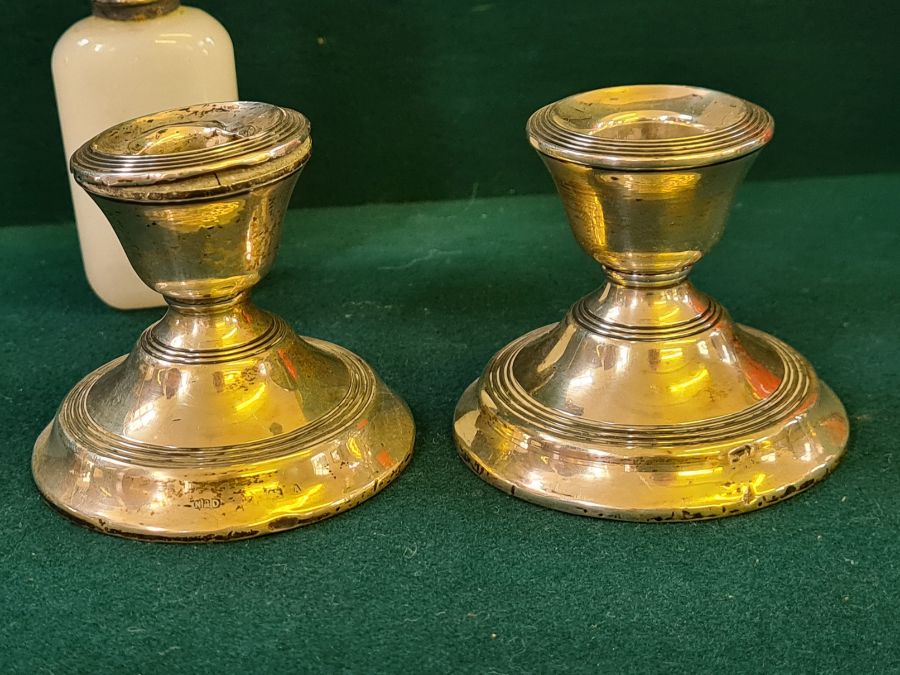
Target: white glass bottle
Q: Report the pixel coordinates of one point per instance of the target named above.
(132, 57)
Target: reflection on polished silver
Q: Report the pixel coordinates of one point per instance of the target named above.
(646, 402)
(221, 423)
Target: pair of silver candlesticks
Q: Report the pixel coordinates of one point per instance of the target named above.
(644, 403)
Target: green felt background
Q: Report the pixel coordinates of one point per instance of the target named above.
(441, 572)
(427, 99)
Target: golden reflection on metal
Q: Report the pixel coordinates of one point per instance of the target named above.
(221, 423)
(646, 402)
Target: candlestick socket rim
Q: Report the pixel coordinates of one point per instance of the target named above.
(195, 152)
(649, 127)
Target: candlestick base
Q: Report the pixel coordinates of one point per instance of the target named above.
(533, 426)
(350, 438)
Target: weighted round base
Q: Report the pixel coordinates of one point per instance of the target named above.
(146, 491)
(718, 467)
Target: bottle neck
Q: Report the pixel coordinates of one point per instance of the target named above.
(133, 10)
